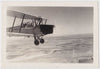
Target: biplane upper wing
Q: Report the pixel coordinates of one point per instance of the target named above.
(19, 14)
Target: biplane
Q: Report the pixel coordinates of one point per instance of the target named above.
(37, 27)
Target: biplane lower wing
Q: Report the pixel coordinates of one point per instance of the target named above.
(23, 30)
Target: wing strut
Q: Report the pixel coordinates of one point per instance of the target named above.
(45, 21)
(22, 23)
(13, 24)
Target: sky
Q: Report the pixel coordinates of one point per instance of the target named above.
(67, 20)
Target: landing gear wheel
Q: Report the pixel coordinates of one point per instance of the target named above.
(36, 42)
(42, 41)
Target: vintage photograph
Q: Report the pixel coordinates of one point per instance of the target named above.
(49, 34)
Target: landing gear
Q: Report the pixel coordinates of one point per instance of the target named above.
(36, 42)
(42, 41)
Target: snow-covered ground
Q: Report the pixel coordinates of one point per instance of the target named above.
(58, 49)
